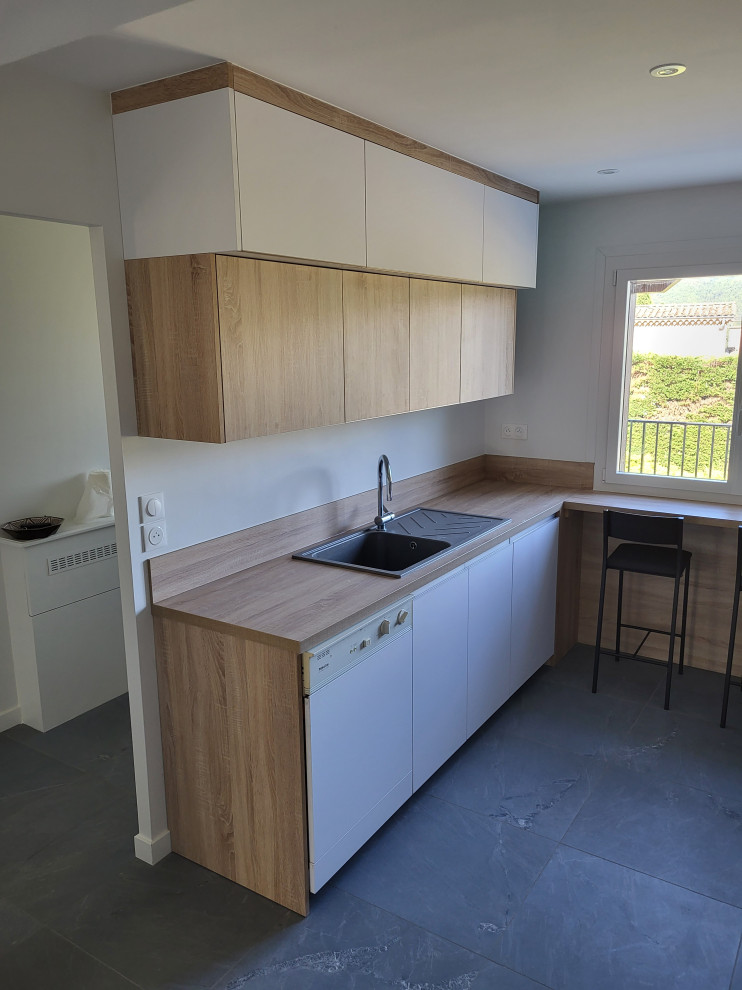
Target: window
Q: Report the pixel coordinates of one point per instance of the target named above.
(674, 411)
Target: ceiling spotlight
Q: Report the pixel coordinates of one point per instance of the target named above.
(607, 171)
(668, 69)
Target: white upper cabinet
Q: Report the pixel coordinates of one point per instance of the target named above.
(176, 177)
(421, 219)
(301, 185)
(510, 239)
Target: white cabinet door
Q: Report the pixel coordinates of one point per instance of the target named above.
(439, 662)
(510, 239)
(176, 177)
(490, 587)
(301, 185)
(422, 219)
(359, 755)
(534, 600)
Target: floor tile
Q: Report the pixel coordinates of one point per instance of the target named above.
(699, 693)
(15, 925)
(47, 962)
(456, 873)
(524, 783)
(347, 944)
(22, 770)
(736, 983)
(684, 748)
(627, 679)
(666, 829)
(592, 925)
(577, 721)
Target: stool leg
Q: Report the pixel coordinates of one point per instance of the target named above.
(685, 620)
(618, 614)
(598, 637)
(671, 651)
(730, 653)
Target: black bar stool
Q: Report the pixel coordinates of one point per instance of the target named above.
(655, 547)
(733, 630)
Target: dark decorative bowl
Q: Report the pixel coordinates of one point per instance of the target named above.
(33, 527)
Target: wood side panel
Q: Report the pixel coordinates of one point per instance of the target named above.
(376, 334)
(182, 570)
(282, 346)
(266, 727)
(487, 342)
(251, 84)
(435, 343)
(648, 600)
(540, 471)
(204, 80)
(195, 743)
(568, 583)
(175, 347)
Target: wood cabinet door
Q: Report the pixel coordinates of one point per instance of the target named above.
(490, 599)
(435, 343)
(302, 185)
(487, 342)
(422, 219)
(281, 331)
(534, 600)
(376, 323)
(510, 239)
(439, 645)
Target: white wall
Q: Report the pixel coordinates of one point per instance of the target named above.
(559, 322)
(52, 416)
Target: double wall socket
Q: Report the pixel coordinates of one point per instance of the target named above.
(152, 519)
(512, 432)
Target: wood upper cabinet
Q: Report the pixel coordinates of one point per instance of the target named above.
(301, 185)
(376, 320)
(487, 342)
(422, 219)
(510, 239)
(227, 348)
(435, 343)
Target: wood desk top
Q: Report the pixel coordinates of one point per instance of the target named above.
(699, 513)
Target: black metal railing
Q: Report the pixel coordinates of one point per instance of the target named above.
(678, 449)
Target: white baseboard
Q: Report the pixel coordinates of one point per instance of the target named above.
(152, 850)
(10, 717)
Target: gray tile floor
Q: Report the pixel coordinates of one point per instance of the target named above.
(577, 842)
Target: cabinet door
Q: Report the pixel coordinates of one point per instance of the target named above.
(534, 600)
(510, 239)
(376, 322)
(420, 218)
(435, 343)
(487, 342)
(490, 588)
(439, 639)
(301, 185)
(281, 330)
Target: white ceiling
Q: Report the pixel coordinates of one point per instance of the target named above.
(544, 91)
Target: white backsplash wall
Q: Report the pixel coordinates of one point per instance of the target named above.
(558, 322)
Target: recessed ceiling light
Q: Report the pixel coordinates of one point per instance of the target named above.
(607, 171)
(668, 69)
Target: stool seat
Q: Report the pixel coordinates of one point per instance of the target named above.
(640, 559)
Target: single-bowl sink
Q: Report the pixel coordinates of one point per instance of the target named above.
(376, 550)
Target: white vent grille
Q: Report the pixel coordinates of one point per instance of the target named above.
(81, 558)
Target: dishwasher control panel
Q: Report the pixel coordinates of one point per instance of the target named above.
(328, 660)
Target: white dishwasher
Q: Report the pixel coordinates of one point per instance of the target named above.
(358, 717)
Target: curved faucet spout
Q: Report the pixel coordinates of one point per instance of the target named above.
(383, 515)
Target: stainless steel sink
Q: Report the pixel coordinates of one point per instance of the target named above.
(409, 541)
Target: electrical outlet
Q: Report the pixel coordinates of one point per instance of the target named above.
(154, 536)
(512, 432)
(521, 432)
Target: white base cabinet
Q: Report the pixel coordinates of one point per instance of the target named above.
(534, 600)
(439, 645)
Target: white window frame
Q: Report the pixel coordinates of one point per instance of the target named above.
(686, 261)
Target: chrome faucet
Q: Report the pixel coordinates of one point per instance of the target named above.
(384, 515)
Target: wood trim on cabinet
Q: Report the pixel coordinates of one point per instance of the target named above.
(232, 721)
(540, 471)
(224, 75)
(175, 342)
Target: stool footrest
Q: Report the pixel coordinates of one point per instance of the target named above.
(633, 656)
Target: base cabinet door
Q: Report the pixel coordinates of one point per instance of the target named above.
(490, 595)
(534, 600)
(439, 662)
